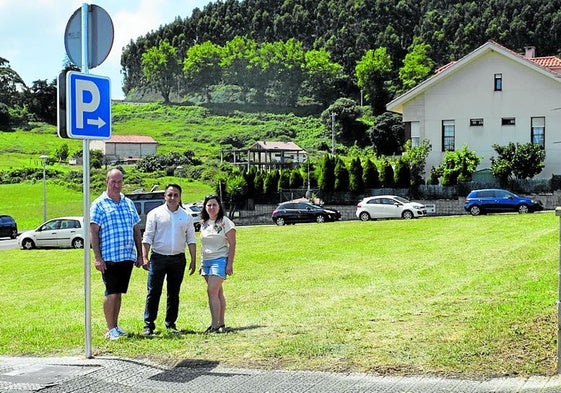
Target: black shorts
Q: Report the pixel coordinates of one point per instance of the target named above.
(117, 276)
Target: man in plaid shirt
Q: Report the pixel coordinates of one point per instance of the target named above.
(116, 243)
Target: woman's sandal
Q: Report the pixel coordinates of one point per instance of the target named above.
(219, 329)
(210, 329)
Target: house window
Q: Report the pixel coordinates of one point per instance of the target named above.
(508, 121)
(415, 128)
(448, 135)
(498, 82)
(476, 122)
(538, 131)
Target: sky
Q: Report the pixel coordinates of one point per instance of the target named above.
(32, 33)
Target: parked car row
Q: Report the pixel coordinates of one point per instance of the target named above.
(370, 208)
(393, 206)
(67, 232)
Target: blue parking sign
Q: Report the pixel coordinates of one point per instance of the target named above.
(88, 106)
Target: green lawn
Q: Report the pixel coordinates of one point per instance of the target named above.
(456, 296)
(25, 201)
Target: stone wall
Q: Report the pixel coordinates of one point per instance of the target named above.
(439, 207)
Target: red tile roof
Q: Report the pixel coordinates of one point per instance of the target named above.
(551, 62)
(131, 139)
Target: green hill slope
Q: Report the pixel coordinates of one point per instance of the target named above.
(175, 128)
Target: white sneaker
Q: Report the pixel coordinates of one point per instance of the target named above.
(112, 334)
(121, 331)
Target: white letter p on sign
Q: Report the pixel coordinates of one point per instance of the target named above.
(85, 104)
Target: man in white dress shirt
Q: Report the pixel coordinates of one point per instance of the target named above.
(169, 230)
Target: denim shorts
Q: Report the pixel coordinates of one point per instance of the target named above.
(214, 267)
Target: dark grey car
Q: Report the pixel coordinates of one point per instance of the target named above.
(294, 212)
(8, 226)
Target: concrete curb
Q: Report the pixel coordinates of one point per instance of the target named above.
(106, 374)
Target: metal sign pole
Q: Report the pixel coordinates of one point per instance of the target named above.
(558, 214)
(86, 199)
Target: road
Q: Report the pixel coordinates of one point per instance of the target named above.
(6, 243)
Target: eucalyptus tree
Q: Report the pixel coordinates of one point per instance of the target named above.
(417, 66)
(162, 67)
(240, 64)
(10, 84)
(283, 65)
(372, 72)
(201, 67)
(322, 75)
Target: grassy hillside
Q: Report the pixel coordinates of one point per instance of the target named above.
(199, 129)
(175, 128)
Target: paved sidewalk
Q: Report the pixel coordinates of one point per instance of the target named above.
(116, 375)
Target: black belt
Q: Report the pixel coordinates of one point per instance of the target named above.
(162, 256)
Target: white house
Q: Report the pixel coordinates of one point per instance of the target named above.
(124, 147)
(491, 96)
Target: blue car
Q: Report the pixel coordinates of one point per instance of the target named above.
(495, 200)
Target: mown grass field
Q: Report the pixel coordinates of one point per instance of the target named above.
(456, 296)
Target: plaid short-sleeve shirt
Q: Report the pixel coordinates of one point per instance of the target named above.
(116, 222)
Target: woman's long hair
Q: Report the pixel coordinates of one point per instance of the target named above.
(204, 213)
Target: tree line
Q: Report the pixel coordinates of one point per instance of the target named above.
(277, 73)
(404, 39)
(21, 104)
(331, 174)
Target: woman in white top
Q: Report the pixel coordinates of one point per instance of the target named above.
(218, 241)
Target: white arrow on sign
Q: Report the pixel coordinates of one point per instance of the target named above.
(96, 122)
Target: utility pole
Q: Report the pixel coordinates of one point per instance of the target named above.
(333, 114)
(44, 159)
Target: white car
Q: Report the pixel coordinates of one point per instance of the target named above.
(194, 211)
(62, 232)
(388, 206)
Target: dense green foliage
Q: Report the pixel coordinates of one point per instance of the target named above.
(458, 166)
(415, 34)
(520, 160)
(20, 104)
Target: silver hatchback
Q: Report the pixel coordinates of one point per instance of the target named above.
(388, 206)
(62, 232)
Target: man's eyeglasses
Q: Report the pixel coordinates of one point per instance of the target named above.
(172, 195)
